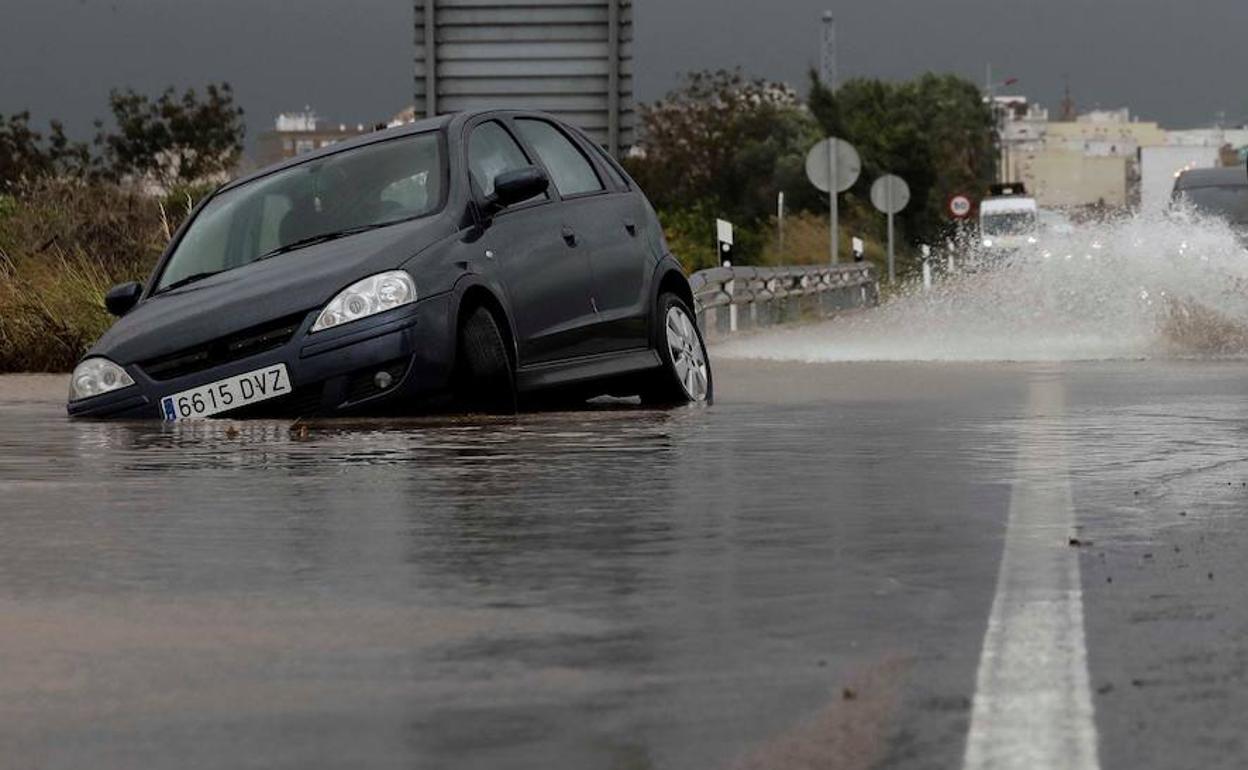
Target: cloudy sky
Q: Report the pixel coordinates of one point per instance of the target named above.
(1178, 61)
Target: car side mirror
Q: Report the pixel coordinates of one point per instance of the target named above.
(121, 298)
(518, 185)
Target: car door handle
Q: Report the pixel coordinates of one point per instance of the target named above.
(630, 226)
(569, 235)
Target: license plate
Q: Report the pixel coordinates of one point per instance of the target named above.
(230, 393)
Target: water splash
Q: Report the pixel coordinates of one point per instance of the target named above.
(1135, 288)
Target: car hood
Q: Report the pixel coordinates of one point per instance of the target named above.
(300, 281)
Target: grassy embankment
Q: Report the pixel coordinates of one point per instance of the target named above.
(62, 246)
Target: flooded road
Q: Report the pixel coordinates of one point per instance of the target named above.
(808, 574)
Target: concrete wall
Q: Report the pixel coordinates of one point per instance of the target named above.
(1122, 138)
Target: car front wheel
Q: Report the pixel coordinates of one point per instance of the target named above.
(484, 380)
(686, 372)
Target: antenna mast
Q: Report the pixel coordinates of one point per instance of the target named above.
(827, 52)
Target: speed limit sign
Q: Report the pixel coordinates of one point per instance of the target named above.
(959, 206)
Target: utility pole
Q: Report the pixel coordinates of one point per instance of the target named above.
(827, 53)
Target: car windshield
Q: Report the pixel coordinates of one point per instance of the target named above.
(1008, 223)
(339, 194)
(1228, 202)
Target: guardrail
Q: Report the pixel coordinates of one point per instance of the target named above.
(730, 299)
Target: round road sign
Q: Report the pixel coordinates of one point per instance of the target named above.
(848, 164)
(890, 194)
(959, 206)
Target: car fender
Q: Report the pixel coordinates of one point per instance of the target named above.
(668, 272)
(471, 283)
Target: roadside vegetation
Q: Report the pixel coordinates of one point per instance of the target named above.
(724, 146)
(77, 218)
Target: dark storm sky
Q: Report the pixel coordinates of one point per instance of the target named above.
(1177, 61)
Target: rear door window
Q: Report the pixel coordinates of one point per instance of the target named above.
(570, 170)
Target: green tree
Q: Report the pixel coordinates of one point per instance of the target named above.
(723, 145)
(935, 132)
(174, 140)
(26, 155)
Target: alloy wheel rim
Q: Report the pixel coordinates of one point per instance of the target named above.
(688, 357)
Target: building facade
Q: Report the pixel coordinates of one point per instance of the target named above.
(1090, 161)
(295, 133)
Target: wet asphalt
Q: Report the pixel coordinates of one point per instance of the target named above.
(799, 576)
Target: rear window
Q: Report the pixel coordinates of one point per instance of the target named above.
(569, 169)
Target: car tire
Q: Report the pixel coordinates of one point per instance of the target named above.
(485, 381)
(686, 372)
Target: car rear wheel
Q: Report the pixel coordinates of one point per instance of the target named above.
(484, 380)
(686, 373)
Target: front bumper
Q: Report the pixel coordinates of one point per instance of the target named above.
(331, 371)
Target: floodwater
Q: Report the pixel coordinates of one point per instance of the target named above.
(1129, 289)
(798, 576)
(612, 587)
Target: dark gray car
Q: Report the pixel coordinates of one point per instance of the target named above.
(480, 256)
(1216, 192)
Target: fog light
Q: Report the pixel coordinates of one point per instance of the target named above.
(383, 380)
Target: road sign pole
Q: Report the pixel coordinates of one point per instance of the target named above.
(833, 175)
(834, 226)
(890, 194)
(780, 222)
(892, 272)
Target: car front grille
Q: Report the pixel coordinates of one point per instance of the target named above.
(223, 350)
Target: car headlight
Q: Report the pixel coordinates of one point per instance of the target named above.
(1032, 239)
(372, 295)
(96, 376)
(988, 242)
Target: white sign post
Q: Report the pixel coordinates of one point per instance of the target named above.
(833, 166)
(890, 194)
(723, 239)
(780, 221)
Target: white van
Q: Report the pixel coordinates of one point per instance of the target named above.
(1008, 222)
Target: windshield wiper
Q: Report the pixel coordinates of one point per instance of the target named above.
(322, 238)
(292, 246)
(188, 280)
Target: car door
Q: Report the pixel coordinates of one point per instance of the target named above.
(546, 279)
(606, 225)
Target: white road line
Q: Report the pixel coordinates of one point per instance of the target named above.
(1033, 704)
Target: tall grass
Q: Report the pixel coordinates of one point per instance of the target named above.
(63, 244)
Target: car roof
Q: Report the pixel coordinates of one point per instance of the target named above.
(428, 124)
(1234, 176)
(1007, 204)
(436, 123)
